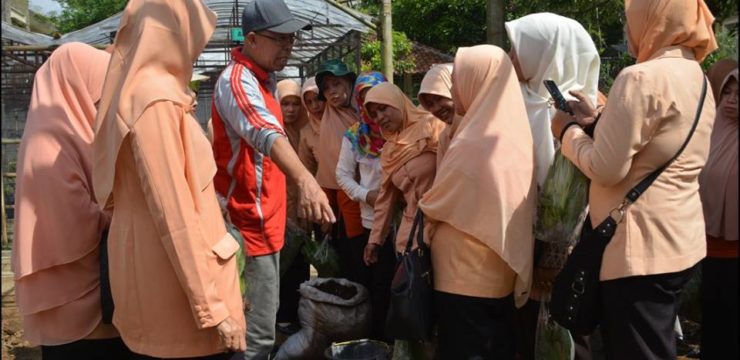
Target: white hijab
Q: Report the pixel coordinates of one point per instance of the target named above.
(551, 46)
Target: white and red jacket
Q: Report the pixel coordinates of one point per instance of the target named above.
(246, 122)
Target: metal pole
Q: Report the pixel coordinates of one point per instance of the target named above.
(387, 44)
(495, 16)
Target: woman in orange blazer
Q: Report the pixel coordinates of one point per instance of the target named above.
(172, 266)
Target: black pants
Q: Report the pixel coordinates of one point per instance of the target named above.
(381, 276)
(376, 278)
(297, 273)
(102, 349)
(350, 251)
(719, 307)
(474, 328)
(222, 356)
(639, 313)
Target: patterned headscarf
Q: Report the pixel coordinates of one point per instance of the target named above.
(365, 135)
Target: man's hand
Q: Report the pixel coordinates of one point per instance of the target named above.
(233, 337)
(313, 203)
(371, 254)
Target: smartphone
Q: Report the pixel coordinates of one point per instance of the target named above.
(560, 102)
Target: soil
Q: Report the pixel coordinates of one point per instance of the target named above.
(14, 346)
(335, 288)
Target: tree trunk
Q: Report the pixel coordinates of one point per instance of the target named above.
(495, 17)
(387, 41)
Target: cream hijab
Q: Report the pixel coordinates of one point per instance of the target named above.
(656, 24)
(419, 132)
(719, 178)
(437, 81)
(58, 220)
(485, 185)
(287, 88)
(552, 47)
(153, 54)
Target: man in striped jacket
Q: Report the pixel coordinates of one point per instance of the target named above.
(254, 157)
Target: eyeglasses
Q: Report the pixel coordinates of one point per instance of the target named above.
(283, 40)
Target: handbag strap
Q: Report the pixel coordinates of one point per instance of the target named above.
(418, 224)
(640, 189)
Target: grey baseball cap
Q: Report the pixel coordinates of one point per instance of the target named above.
(272, 15)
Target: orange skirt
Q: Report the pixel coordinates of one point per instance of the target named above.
(721, 248)
(350, 211)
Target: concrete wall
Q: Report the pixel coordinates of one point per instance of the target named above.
(16, 13)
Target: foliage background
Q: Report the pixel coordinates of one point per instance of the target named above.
(449, 24)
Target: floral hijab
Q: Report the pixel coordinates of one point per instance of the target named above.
(365, 134)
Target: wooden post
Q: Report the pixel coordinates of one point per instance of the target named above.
(408, 85)
(357, 41)
(495, 16)
(387, 43)
(4, 216)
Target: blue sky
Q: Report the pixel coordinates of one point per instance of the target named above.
(45, 6)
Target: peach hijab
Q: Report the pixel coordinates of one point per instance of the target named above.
(153, 54)
(58, 222)
(656, 24)
(287, 88)
(719, 178)
(333, 124)
(419, 132)
(437, 81)
(485, 185)
(55, 162)
(310, 86)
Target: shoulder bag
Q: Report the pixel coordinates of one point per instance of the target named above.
(411, 316)
(576, 301)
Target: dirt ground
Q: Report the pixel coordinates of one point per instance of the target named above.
(14, 347)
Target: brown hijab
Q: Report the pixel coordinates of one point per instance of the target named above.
(718, 182)
(717, 74)
(152, 60)
(656, 24)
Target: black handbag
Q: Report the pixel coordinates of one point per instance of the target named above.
(576, 297)
(106, 298)
(411, 313)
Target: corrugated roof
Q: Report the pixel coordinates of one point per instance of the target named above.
(22, 36)
(330, 23)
